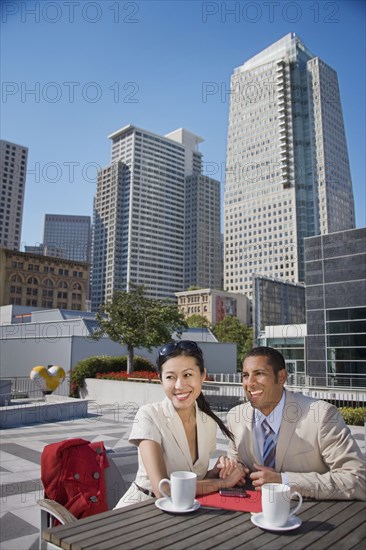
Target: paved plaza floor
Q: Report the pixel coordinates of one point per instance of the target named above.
(20, 455)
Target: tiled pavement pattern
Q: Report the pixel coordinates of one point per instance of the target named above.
(20, 454)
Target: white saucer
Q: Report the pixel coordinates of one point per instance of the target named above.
(293, 522)
(166, 505)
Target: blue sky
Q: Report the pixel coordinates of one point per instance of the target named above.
(75, 71)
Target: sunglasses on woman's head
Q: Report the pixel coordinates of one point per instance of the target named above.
(172, 347)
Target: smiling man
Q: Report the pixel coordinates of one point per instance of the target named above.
(286, 437)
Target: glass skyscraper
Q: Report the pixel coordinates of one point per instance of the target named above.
(335, 268)
(287, 171)
(67, 236)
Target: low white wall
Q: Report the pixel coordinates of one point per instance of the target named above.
(125, 398)
(54, 409)
(26, 346)
(105, 392)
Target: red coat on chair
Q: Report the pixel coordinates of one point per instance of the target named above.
(72, 473)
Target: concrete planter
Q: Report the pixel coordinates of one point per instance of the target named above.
(124, 393)
(54, 408)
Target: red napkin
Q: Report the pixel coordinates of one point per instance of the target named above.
(251, 503)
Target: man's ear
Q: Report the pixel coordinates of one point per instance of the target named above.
(282, 376)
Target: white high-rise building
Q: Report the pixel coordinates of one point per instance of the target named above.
(153, 212)
(288, 174)
(13, 167)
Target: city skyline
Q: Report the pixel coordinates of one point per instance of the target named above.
(176, 74)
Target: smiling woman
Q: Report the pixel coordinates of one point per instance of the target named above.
(179, 433)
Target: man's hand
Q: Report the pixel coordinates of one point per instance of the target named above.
(227, 466)
(264, 475)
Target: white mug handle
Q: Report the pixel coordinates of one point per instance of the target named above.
(299, 504)
(161, 490)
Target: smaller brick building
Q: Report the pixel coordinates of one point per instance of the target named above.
(42, 281)
(215, 305)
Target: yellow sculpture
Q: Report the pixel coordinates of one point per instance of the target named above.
(48, 379)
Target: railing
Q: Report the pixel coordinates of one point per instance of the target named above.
(227, 395)
(23, 387)
(292, 379)
(340, 382)
(221, 394)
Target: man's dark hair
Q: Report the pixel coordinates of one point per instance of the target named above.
(274, 357)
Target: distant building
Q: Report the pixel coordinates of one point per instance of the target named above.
(67, 236)
(287, 169)
(13, 168)
(276, 302)
(214, 305)
(34, 249)
(156, 217)
(42, 281)
(332, 344)
(335, 268)
(290, 341)
(203, 253)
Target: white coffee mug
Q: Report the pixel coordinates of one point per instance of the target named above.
(276, 499)
(182, 489)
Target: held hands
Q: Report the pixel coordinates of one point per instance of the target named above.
(264, 475)
(231, 471)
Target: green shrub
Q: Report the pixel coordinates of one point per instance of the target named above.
(353, 416)
(88, 368)
(140, 363)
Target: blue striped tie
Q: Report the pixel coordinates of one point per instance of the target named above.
(269, 447)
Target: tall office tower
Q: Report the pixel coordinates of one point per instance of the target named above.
(144, 227)
(13, 166)
(203, 266)
(288, 174)
(66, 236)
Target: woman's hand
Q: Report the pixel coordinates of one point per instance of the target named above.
(225, 466)
(226, 473)
(236, 476)
(230, 468)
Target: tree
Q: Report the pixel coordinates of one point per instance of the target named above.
(197, 321)
(134, 320)
(230, 329)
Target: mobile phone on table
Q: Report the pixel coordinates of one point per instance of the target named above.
(233, 492)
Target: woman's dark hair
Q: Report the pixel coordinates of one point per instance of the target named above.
(188, 348)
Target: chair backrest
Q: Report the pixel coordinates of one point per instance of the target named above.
(114, 481)
(78, 458)
(115, 487)
(75, 473)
